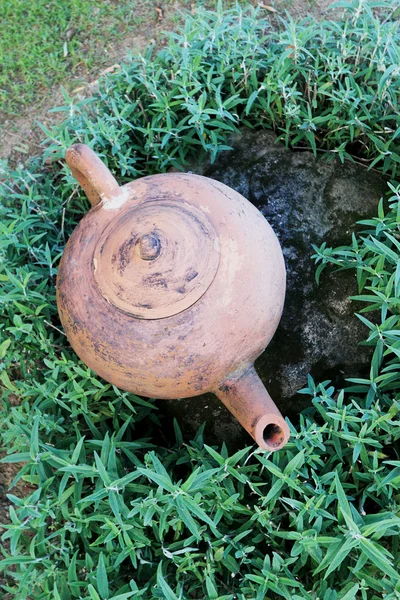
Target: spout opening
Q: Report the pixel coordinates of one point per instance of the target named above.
(272, 432)
(273, 436)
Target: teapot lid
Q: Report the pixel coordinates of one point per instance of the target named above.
(156, 259)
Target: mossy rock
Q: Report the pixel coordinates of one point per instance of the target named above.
(307, 200)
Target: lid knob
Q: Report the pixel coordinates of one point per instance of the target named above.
(149, 247)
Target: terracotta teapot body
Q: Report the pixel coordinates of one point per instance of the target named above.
(170, 287)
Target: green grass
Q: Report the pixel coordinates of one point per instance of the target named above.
(116, 513)
(46, 41)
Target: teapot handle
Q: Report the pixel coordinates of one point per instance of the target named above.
(91, 173)
(245, 396)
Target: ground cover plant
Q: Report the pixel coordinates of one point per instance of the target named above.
(117, 510)
(47, 42)
(334, 85)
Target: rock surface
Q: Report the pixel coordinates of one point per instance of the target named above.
(307, 200)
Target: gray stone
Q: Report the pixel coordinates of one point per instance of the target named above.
(307, 200)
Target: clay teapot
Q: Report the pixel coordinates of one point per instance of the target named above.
(171, 286)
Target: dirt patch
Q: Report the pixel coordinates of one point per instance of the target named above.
(316, 8)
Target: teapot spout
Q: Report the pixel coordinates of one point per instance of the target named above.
(91, 173)
(247, 399)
